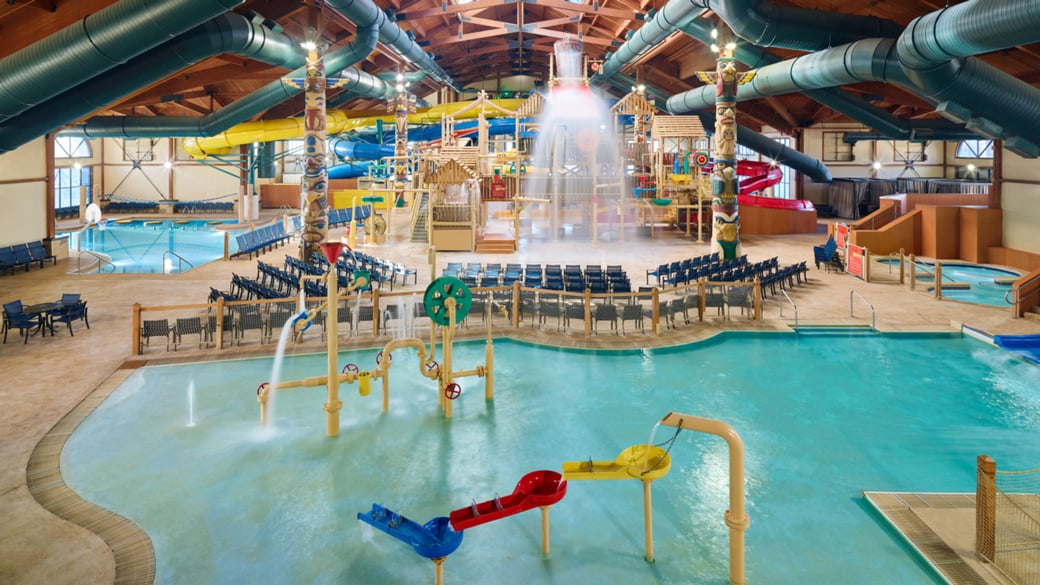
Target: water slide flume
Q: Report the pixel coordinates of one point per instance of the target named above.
(636, 462)
(537, 489)
(434, 540)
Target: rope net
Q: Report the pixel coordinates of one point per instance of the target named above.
(1016, 538)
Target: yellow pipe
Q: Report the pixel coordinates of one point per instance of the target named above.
(337, 122)
(736, 517)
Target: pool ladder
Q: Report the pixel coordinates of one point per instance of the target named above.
(873, 314)
(181, 261)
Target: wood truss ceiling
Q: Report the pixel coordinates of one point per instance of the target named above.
(481, 41)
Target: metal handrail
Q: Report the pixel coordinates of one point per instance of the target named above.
(915, 263)
(1018, 300)
(873, 315)
(181, 261)
(788, 297)
(100, 259)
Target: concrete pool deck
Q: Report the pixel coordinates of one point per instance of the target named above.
(49, 377)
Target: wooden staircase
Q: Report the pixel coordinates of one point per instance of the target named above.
(495, 244)
(420, 231)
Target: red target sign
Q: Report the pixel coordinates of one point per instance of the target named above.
(700, 159)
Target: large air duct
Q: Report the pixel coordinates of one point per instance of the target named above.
(94, 45)
(366, 13)
(935, 52)
(260, 100)
(865, 60)
(227, 33)
(673, 16)
(766, 24)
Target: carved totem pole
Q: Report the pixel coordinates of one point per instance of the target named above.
(725, 236)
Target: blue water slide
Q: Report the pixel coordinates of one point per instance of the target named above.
(360, 150)
(1026, 346)
(349, 170)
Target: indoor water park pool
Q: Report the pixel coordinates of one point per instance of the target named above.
(153, 246)
(179, 450)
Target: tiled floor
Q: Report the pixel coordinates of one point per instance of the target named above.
(48, 377)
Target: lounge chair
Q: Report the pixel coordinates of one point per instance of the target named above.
(188, 326)
(16, 318)
(71, 310)
(154, 328)
(39, 254)
(828, 255)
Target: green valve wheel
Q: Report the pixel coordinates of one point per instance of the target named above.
(439, 291)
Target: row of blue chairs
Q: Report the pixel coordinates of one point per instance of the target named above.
(26, 255)
(262, 240)
(203, 207)
(664, 272)
(69, 212)
(132, 207)
(343, 216)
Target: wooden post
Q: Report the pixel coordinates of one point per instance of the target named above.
(702, 297)
(758, 298)
(135, 335)
(902, 271)
(655, 310)
(938, 280)
(516, 304)
(220, 323)
(985, 507)
(866, 265)
(588, 312)
(227, 254)
(913, 273)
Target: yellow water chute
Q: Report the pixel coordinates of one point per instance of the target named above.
(336, 122)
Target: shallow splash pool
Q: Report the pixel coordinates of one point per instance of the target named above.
(141, 246)
(179, 450)
(985, 282)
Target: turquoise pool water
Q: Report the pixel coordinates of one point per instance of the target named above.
(140, 245)
(179, 450)
(984, 290)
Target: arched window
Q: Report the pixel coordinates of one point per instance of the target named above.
(975, 149)
(71, 147)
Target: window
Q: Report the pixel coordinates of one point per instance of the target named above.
(835, 149)
(67, 183)
(975, 149)
(139, 149)
(71, 147)
(904, 150)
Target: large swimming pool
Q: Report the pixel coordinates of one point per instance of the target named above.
(179, 450)
(143, 246)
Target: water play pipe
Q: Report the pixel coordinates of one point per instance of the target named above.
(337, 122)
(94, 45)
(736, 517)
(228, 33)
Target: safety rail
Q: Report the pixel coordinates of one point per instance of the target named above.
(101, 261)
(1017, 301)
(793, 304)
(873, 314)
(181, 261)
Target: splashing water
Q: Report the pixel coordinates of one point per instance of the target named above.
(276, 366)
(191, 403)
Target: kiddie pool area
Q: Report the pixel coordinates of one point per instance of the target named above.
(970, 283)
(152, 245)
(179, 450)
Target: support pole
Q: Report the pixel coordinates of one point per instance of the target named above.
(545, 530)
(333, 404)
(648, 521)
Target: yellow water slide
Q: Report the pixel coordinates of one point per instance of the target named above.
(336, 122)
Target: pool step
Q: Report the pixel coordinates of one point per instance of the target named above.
(846, 329)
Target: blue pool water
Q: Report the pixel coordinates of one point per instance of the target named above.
(179, 450)
(139, 246)
(984, 290)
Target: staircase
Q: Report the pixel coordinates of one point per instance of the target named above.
(495, 244)
(420, 231)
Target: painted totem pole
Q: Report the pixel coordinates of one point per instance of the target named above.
(313, 196)
(402, 105)
(725, 227)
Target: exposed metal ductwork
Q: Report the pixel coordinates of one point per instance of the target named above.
(94, 45)
(262, 99)
(766, 24)
(675, 15)
(228, 33)
(935, 53)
